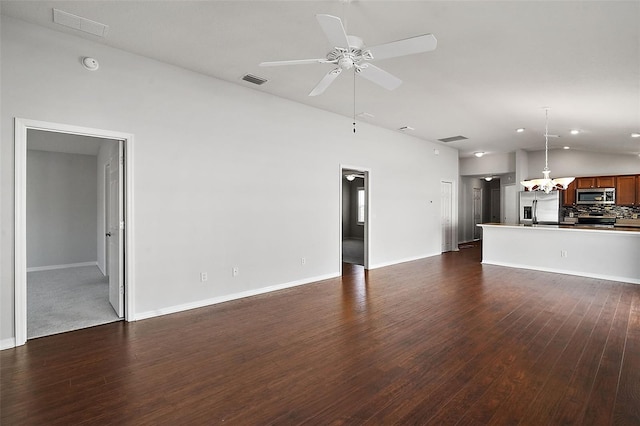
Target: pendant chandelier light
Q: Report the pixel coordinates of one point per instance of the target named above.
(547, 184)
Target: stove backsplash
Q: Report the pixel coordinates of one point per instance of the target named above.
(621, 212)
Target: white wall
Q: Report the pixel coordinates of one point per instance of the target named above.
(489, 165)
(574, 162)
(61, 208)
(224, 175)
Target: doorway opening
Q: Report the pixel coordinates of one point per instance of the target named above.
(354, 225)
(446, 203)
(67, 226)
(477, 213)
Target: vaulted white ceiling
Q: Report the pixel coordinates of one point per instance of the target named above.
(496, 65)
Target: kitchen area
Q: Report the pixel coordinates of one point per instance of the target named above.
(607, 202)
(591, 229)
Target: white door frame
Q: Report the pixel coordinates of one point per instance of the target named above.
(21, 126)
(367, 217)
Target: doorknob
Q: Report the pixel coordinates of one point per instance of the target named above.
(108, 234)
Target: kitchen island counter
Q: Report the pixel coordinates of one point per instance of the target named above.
(590, 251)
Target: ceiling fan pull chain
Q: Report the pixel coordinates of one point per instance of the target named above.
(354, 99)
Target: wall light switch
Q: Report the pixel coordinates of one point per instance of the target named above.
(203, 276)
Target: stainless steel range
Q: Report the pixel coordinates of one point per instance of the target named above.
(597, 219)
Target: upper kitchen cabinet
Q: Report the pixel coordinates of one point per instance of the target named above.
(585, 182)
(606, 182)
(596, 182)
(569, 195)
(626, 188)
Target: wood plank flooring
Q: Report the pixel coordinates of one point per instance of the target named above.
(444, 340)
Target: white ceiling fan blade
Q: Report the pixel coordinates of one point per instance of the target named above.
(379, 76)
(325, 82)
(294, 62)
(408, 46)
(334, 30)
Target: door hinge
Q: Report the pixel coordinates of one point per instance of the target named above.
(121, 289)
(121, 225)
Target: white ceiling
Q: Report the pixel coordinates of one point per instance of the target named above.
(497, 62)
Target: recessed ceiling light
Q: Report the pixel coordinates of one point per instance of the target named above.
(566, 147)
(365, 115)
(478, 154)
(520, 130)
(635, 135)
(575, 131)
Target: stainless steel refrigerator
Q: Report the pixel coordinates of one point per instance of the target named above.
(537, 207)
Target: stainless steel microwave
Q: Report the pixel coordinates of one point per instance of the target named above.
(596, 196)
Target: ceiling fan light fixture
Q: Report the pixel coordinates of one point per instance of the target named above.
(488, 178)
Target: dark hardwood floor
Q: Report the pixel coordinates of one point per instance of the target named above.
(443, 340)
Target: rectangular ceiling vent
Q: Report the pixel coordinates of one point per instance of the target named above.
(254, 79)
(453, 139)
(79, 23)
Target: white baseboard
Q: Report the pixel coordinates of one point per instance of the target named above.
(68, 265)
(567, 272)
(215, 300)
(409, 259)
(9, 343)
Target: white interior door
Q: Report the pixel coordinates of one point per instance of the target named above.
(447, 220)
(509, 208)
(115, 233)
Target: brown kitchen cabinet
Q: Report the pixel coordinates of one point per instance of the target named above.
(596, 182)
(626, 188)
(606, 182)
(585, 182)
(569, 195)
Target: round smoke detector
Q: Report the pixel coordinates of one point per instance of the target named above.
(90, 63)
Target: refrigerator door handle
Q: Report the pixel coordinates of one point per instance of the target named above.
(535, 211)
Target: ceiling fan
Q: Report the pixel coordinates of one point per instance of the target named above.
(350, 52)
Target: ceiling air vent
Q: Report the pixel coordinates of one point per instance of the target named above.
(79, 23)
(453, 139)
(254, 79)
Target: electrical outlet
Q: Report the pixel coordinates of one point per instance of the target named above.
(235, 271)
(303, 261)
(634, 216)
(563, 253)
(203, 277)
